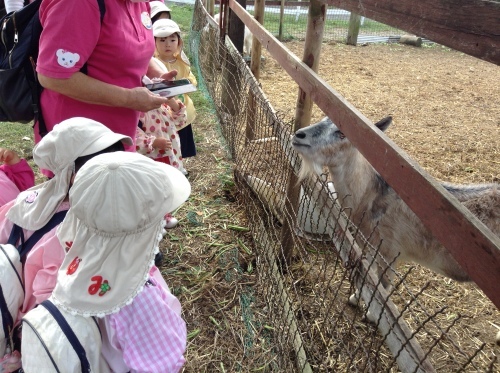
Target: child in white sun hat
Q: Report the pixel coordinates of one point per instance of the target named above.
(159, 10)
(111, 233)
(62, 151)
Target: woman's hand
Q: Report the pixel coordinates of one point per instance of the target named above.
(142, 99)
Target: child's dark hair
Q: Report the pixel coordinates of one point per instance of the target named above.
(116, 147)
(157, 16)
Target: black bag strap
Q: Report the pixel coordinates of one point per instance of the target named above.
(73, 339)
(17, 234)
(7, 321)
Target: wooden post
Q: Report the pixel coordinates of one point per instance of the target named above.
(236, 29)
(282, 14)
(256, 52)
(255, 67)
(353, 31)
(211, 7)
(312, 49)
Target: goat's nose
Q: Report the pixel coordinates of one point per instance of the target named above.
(300, 135)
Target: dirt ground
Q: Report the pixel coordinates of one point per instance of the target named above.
(446, 116)
(445, 105)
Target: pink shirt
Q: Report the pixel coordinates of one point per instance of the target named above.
(15, 179)
(148, 335)
(117, 51)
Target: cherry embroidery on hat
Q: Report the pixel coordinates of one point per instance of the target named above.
(73, 266)
(68, 245)
(99, 285)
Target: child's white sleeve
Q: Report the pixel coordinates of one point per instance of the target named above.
(12, 5)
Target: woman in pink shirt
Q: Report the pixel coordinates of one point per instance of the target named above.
(16, 175)
(116, 53)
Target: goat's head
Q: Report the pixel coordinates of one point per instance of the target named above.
(323, 144)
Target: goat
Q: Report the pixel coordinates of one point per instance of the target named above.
(247, 39)
(379, 211)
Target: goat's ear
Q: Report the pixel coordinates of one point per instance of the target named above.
(383, 124)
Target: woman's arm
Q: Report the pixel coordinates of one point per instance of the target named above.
(81, 87)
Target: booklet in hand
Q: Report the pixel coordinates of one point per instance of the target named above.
(171, 88)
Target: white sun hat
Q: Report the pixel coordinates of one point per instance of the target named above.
(157, 7)
(164, 28)
(113, 229)
(57, 152)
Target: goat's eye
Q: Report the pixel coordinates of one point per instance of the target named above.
(340, 135)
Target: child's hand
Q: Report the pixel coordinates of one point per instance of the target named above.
(161, 143)
(174, 103)
(169, 75)
(9, 157)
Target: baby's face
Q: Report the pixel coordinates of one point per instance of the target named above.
(167, 47)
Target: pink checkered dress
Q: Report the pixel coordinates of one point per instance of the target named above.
(148, 333)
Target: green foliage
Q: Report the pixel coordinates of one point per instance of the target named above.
(182, 15)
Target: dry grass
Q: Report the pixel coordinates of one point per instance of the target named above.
(446, 116)
(209, 263)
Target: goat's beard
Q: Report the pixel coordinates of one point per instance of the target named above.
(309, 168)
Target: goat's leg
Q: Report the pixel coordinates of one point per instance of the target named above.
(385, 275)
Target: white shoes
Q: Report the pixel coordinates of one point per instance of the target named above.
(171, 221)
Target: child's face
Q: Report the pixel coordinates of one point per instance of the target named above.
(167, 47)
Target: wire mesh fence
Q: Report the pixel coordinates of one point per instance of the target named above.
(325, 307)
(289, 22)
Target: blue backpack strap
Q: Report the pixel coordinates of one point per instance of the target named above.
(73, 339)
(25, 247)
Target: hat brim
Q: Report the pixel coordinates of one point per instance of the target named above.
(124, 260)
(104, 141)
(158, 11)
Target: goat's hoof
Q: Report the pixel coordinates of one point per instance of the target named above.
(354, 300)
(369, 317)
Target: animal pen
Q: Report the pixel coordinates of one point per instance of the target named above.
(310, 259)
(287, 20)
